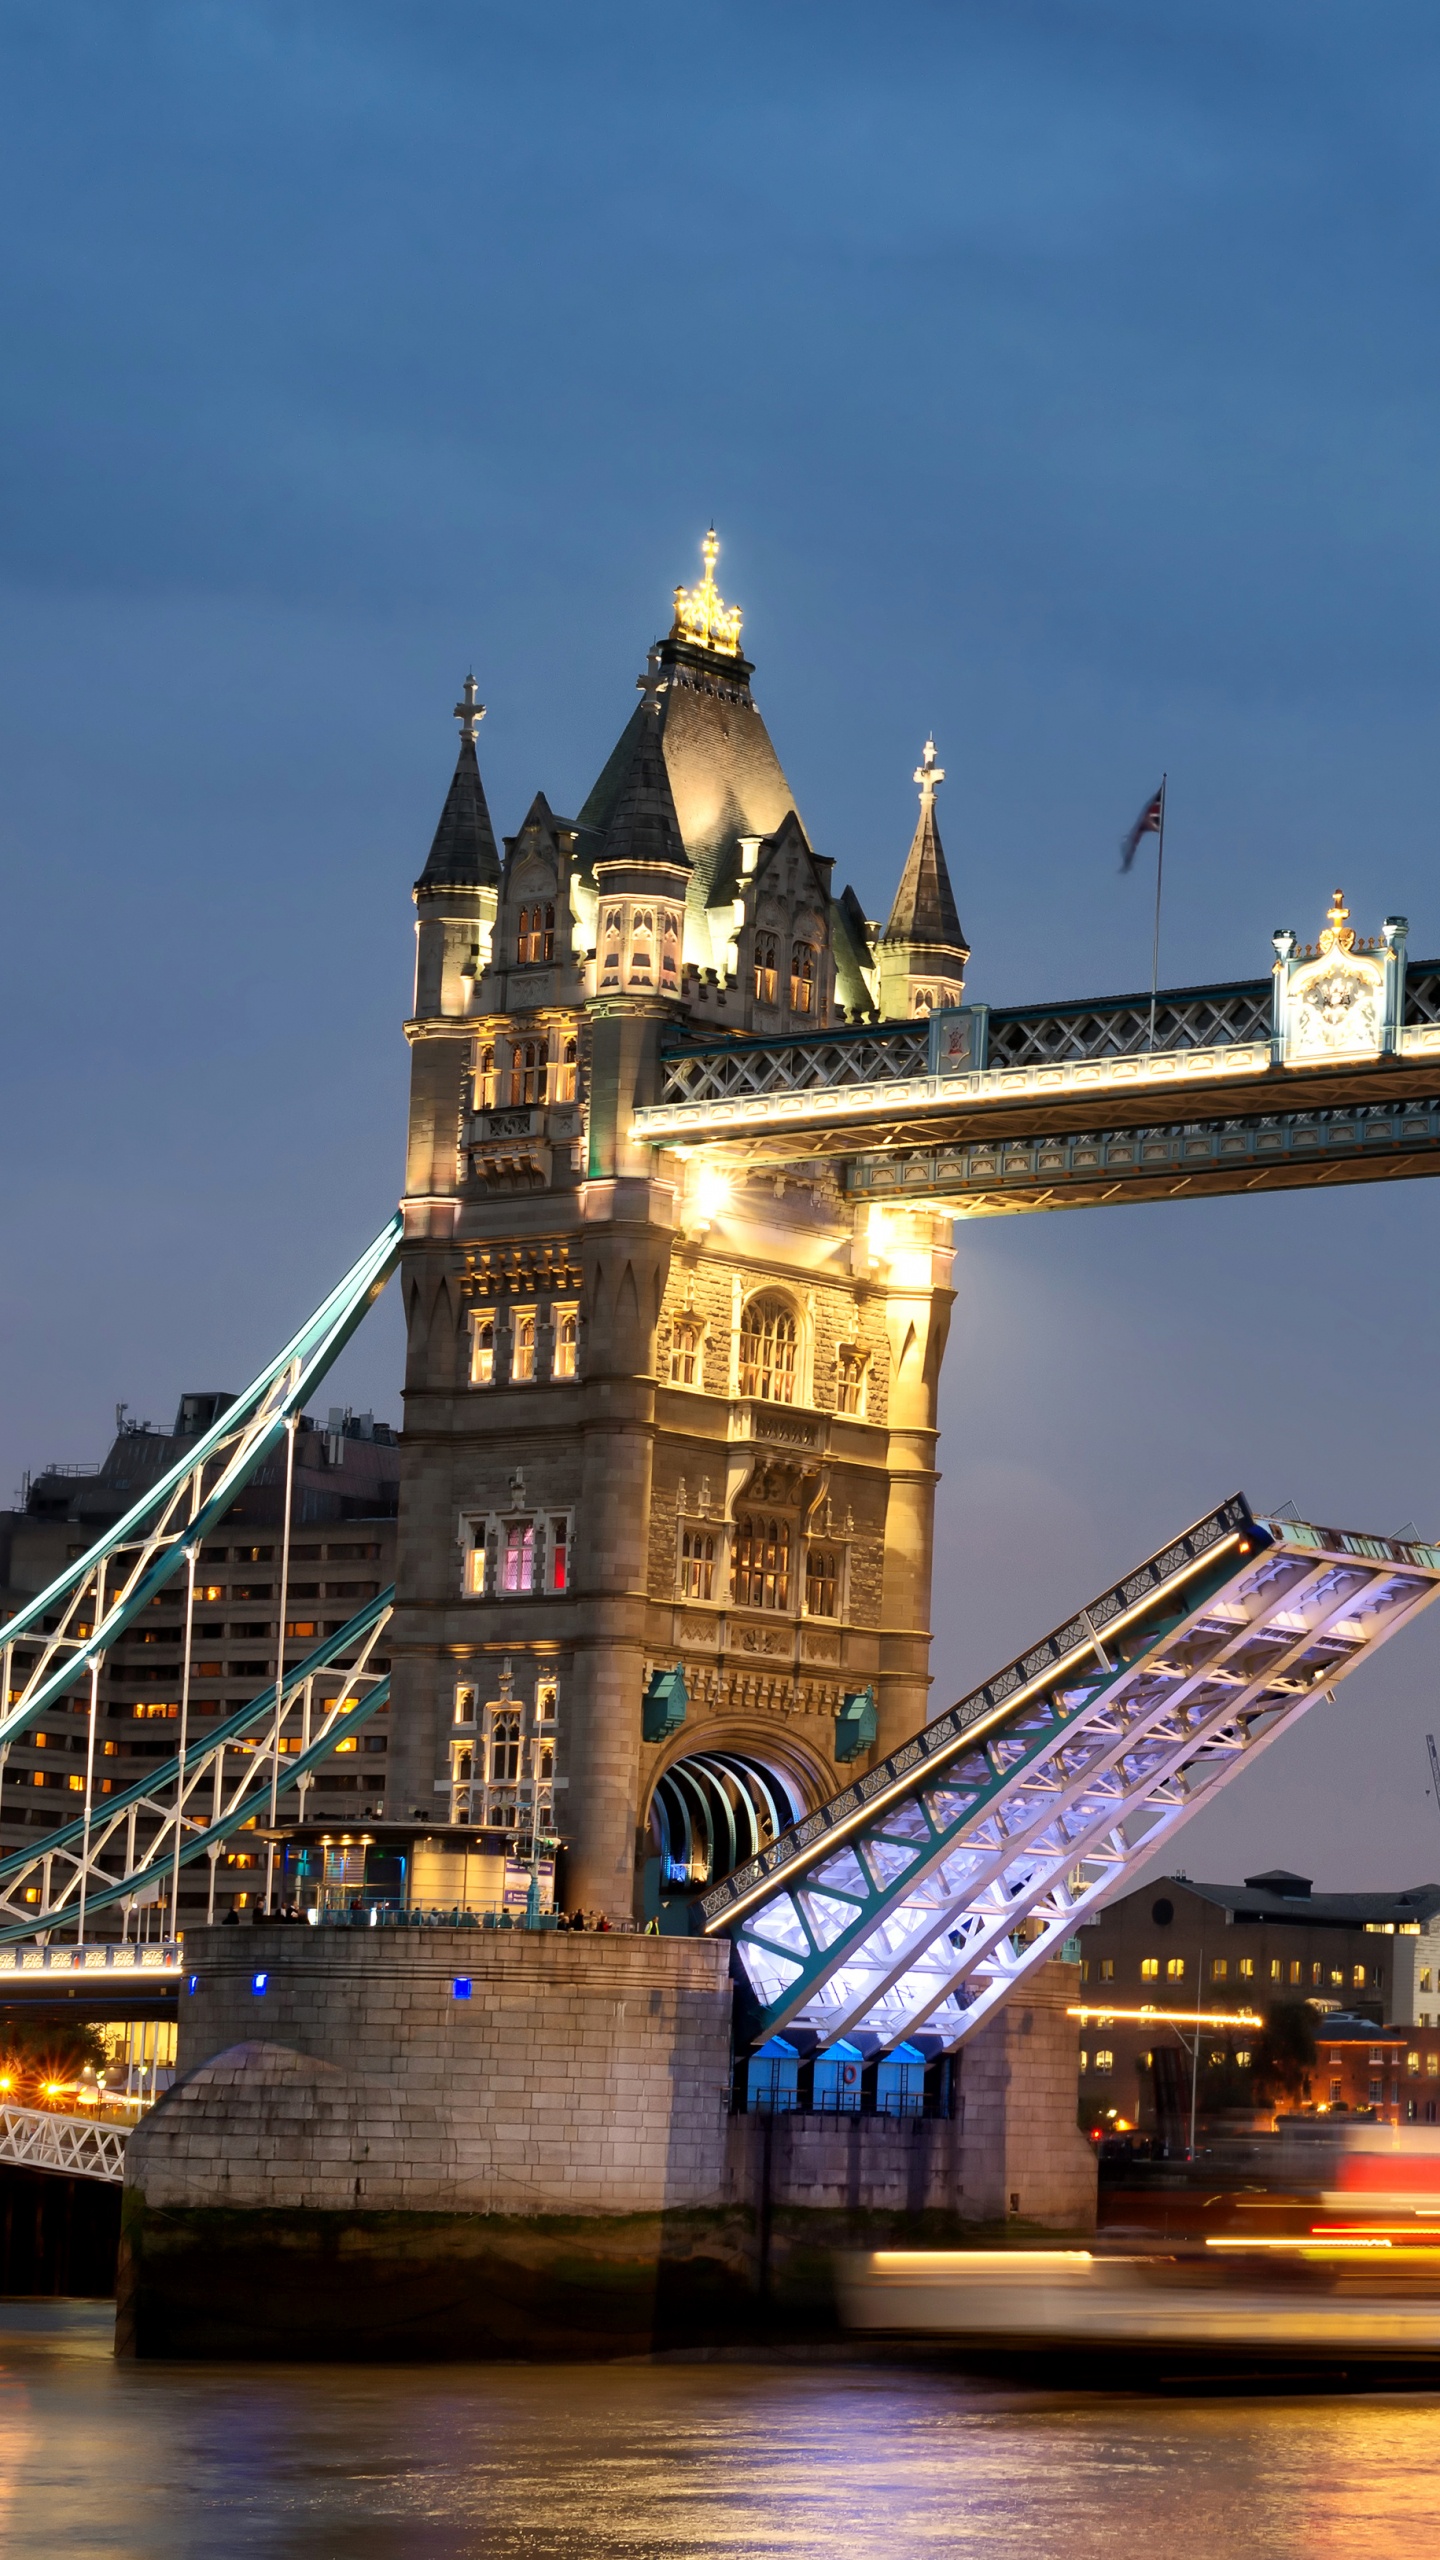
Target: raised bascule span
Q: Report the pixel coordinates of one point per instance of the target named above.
(918, 1897)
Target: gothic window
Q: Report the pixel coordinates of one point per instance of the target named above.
(768, 1344)
(610, 958)
(925, 1000)
(567, 1072)
(642, 946)
(487, 1082)
(567, 1342)
(669, 947)
(822, 1583)
(686, 1336)
(527, 1072)
(850, 1367)
(558, 1547)
(519, 1569)
(504, 1746)
(697, 1564)
(802, 978)
(522, 1347)
(482, 1351)
(465, 1704)
(760, 1565)
(547, 1700)
(766, 968)
(537, 933)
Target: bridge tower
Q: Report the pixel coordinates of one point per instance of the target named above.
(659, 1418)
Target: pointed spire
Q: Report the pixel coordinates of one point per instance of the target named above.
(464, 854)
(924, 909)
(645, 827)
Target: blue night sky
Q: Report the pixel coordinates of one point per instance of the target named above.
(1061, 374)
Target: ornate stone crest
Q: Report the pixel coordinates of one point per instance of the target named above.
(1334, 996)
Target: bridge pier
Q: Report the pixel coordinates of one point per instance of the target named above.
(356, 2162)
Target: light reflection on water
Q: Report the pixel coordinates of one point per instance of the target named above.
(675, 2462)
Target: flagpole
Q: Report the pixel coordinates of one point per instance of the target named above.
(1159, 881)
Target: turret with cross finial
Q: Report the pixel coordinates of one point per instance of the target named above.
(470, 710)
(929, 775)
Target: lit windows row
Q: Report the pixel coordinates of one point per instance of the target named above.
(769, 1350)
(639, 946)
(1296, 1969)
(803, 972)
(758, 1571)
(518, 1555)
(519, 1075)
(524, 1345)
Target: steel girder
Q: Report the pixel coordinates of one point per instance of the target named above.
(72, 2146)
(74, 1870)
(78, 1617)
(921, 1895)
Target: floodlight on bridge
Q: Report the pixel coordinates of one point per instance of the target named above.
(919, 1896)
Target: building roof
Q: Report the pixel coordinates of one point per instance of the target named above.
(464, 854)
(1258, 1899)
(924, 909)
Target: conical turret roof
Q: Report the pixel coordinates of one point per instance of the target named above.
(464, 854)
(924, 909)
(644, 826)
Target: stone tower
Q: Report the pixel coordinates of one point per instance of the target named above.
(668, 1463)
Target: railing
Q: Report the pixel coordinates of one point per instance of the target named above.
(71, 2146)
(22, 1963)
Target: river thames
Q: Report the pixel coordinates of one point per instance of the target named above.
(675, 2462)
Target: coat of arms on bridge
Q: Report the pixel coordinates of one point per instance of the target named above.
(1339, 998)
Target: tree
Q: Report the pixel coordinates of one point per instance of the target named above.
(1285, 2054)
(37, 2051)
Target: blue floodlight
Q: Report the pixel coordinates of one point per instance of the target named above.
(193, 1984)
(258, 1982)
(460, 1987)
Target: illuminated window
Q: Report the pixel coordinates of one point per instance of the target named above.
(504, 1746)
(766, 968)
(1104, 2060)
(686, 1336)
(567, 1073)
(301, 1627)
(1244, 2057)
(1317, 1974)
(697, 1564)
(768, 1344)
(1084, 2059)
(522, 1347)
(1107, 1968)
(209, 1591)
(610, 953)
(76, 1786)
(482, 1351)
(350, 1742)
(1337, 1974)
(1296, 1969)
(566, 1322)
(1357, 1976)
(1174, 1968)
(1432, 2066)
(1246, 1968)
(110, 1750)
(559, 1553)
(1412, 2062)
(465, 1704)
(519, 1571)
(1149, 1968)
(1274, 1968)
(537, 933)
(802, 978)
(760, 1565)
(1219, 1969)
(155, 1707)
(1425, 1981)
(527, 1072)
(487, 1079)
(849, 1380)
(822, 1582)
(547, 1701)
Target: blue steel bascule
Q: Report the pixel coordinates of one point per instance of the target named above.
(583, 1086)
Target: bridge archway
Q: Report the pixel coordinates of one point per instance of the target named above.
(712, 1809)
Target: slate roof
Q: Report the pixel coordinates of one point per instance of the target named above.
(1257, 1900)
(464, 854)
(643, 825)
(924, 909)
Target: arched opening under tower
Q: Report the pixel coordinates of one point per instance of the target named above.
(712, 1810)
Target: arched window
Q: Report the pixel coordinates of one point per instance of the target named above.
(482, 1352)
(802, 978)
(527, 1072)
(697, 1564)
(766, 968)
(822, 1583)
(486, 1080)
(537, 933)
(686, 1335)
(504, 1746)
(760, 1564)
(567, 1342)
(520, 1555)
(768, 1343)
(849, 1380)
(567, 1072)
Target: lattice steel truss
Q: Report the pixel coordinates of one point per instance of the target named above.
(71, 2145)
(921, 1895)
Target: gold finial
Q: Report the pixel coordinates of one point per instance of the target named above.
(700, 616)
(470, 710)
(1339, 934)
(929, 775)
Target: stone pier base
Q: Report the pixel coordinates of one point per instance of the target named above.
(360, 2162)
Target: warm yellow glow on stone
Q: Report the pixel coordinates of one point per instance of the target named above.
(700, 616)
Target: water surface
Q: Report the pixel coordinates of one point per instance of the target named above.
(100, 2461)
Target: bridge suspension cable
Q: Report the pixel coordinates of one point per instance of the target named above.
(64, 1634)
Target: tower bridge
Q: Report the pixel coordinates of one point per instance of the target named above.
(688, 1133)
